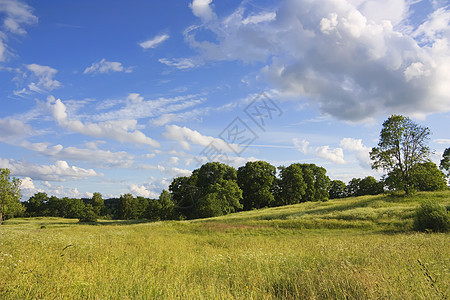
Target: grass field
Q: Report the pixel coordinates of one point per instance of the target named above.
(356, 248)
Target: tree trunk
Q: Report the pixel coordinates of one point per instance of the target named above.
(1, 217)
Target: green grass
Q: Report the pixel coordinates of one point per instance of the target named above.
(356, 248)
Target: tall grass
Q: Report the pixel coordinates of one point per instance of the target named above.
(253, 255)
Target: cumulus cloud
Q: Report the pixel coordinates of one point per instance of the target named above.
(104, 67)
(60, 171)
(335, 155)
(123, 131)
(202, 9)
(154, 42)
(361, 152)
(352, 58)
(143, 191)
(185, 136)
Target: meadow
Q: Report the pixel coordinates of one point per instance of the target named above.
(353, 248)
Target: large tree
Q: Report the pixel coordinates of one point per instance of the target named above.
(402, 145)
(9, 195)
(292, 185)
(256, 180)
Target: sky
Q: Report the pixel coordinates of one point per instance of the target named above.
(121, 97)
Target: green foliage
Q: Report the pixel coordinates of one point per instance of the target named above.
(402, 145)
(9, 196)
(98, 204)
(337, 189)
(256, 180)
(427, 177)
(36, 205)
(431, 216)
(89, 214)
(293, 187)
(167, 207)
(369, 186)
(445, 161)
(351, 190)
(221, 198)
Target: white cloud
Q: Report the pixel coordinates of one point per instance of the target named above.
(137, 107)
(179, 63)
(17, 15)
(354, 59)
(60, 171)
(45, 75)
(361, 152)
(27, 184)
(143, 191)
(201, 9)
(104, 67)
(123, 131)
(442, 141)
(335, 155)
(152, 43)
(11, 130)
(184, 136)
(255, 19)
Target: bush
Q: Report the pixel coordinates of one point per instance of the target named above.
(431, 216)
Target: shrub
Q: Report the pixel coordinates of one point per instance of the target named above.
(432, 216)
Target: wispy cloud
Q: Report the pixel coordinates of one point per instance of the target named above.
(154, 42)
(105, 67)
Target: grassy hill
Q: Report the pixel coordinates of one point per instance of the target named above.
(354, 248)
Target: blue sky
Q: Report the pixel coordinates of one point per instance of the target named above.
(119, 97)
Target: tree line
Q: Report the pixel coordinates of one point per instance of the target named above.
(217, 189)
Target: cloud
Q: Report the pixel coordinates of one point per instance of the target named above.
(179, 63)
(442, 141)
(143, 191)
(27, 183)
(154, 42)
(185, 136)
(17, 15)
(355, 60)
(45, 75)
(105, 67)
(137, 107)
(12, 130)
(361, 152)
(98, 157)
(335, 155)
(201, 9)
(123, 130)
(60, 171)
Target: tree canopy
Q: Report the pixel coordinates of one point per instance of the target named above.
(9, 195)
(402, 145)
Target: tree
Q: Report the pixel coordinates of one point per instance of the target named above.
(427, 177)
(369, 186)
(98, 204)
(9, 195)
(292, 185)
(402, 145)
(351, 190)
(222, 197)
(337, 189)
(36, 205)
(445, 162)
(256, 180)
(166, 206)
(126, 208)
